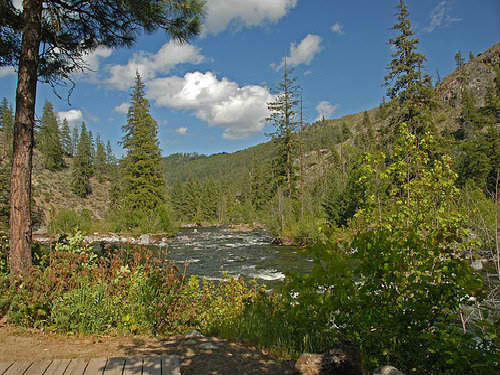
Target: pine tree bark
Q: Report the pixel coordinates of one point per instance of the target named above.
(20, 198)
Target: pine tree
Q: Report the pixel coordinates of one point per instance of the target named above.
(66, 139)
(100, 161)
(471, 56)
(82, 168)
(406, 85)
(284, 119)
(75, 138)
(7, 126)
(143, 180)
(459, 60)
(49, 140)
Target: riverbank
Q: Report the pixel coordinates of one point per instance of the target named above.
(198, 355)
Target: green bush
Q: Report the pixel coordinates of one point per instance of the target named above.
(78, 291)
(66, 220)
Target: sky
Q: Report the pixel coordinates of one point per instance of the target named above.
(211, 95)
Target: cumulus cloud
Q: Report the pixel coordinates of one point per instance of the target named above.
(325, 110)
(73, 116)
(440, 16)
(337, 28)
(241, 111)
(181, 131)
(244, 13)
(150, 65)
(303, 53)
(122, 108)
(7, 70)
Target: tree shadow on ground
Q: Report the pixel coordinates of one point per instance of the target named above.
(210, 356)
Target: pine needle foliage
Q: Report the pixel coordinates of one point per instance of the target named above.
(143, 180)
(283, 116)
(49, 140)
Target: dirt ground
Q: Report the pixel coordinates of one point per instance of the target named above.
(226, 358)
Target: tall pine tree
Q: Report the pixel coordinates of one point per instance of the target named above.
(66, 139)
(143, 184)
(405, 82)
(283, 116)
(100, 161)
(82, 167)
(49, 140)
(6, 126)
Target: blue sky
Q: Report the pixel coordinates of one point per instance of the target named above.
(210, 95)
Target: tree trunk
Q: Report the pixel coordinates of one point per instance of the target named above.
(20, 196)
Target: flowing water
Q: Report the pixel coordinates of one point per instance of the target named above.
(212, 253)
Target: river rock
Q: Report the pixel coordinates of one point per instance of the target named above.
(208, 346)
(193, 333)
(387, 370)
(342, 359)
(144, 239)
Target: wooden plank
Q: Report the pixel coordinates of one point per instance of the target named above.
(58, 367)
(96, 366)
(170, 365)
(115, 366)
(133, 366)
(151, 366)
(18, 368)
(77, 366)
(39, 367)
(4, 366)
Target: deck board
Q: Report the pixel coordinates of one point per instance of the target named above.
(18, 368)
(170, 365)
(4, 366)
(96, 366)
(152, 366)
(38, 367)
(77, 366)
(115, 366)
(166, 365)
(58, 367)
(133, 366)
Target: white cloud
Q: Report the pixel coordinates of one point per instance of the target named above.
(73, 116)
(241, 111)
(150, 65)
(221, 13)
(325, 110)
(304, 53)
(122, 108)
(181, 131)
(7, 71)
(440, 16)
(18, 4)
(337, 28)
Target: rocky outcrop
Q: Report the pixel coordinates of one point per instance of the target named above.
(476, 75)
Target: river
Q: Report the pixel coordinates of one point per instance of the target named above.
(211, 253)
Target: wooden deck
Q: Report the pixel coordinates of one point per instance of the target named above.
(165, 365)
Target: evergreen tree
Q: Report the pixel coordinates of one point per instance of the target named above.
(49, 140)
(284, 119)
(459, 60)
(100, 161)
(471, 56)
(66, 139)
(82, 167)
(75, 138)
(406, 85)
(143, 180)
(6, 126)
